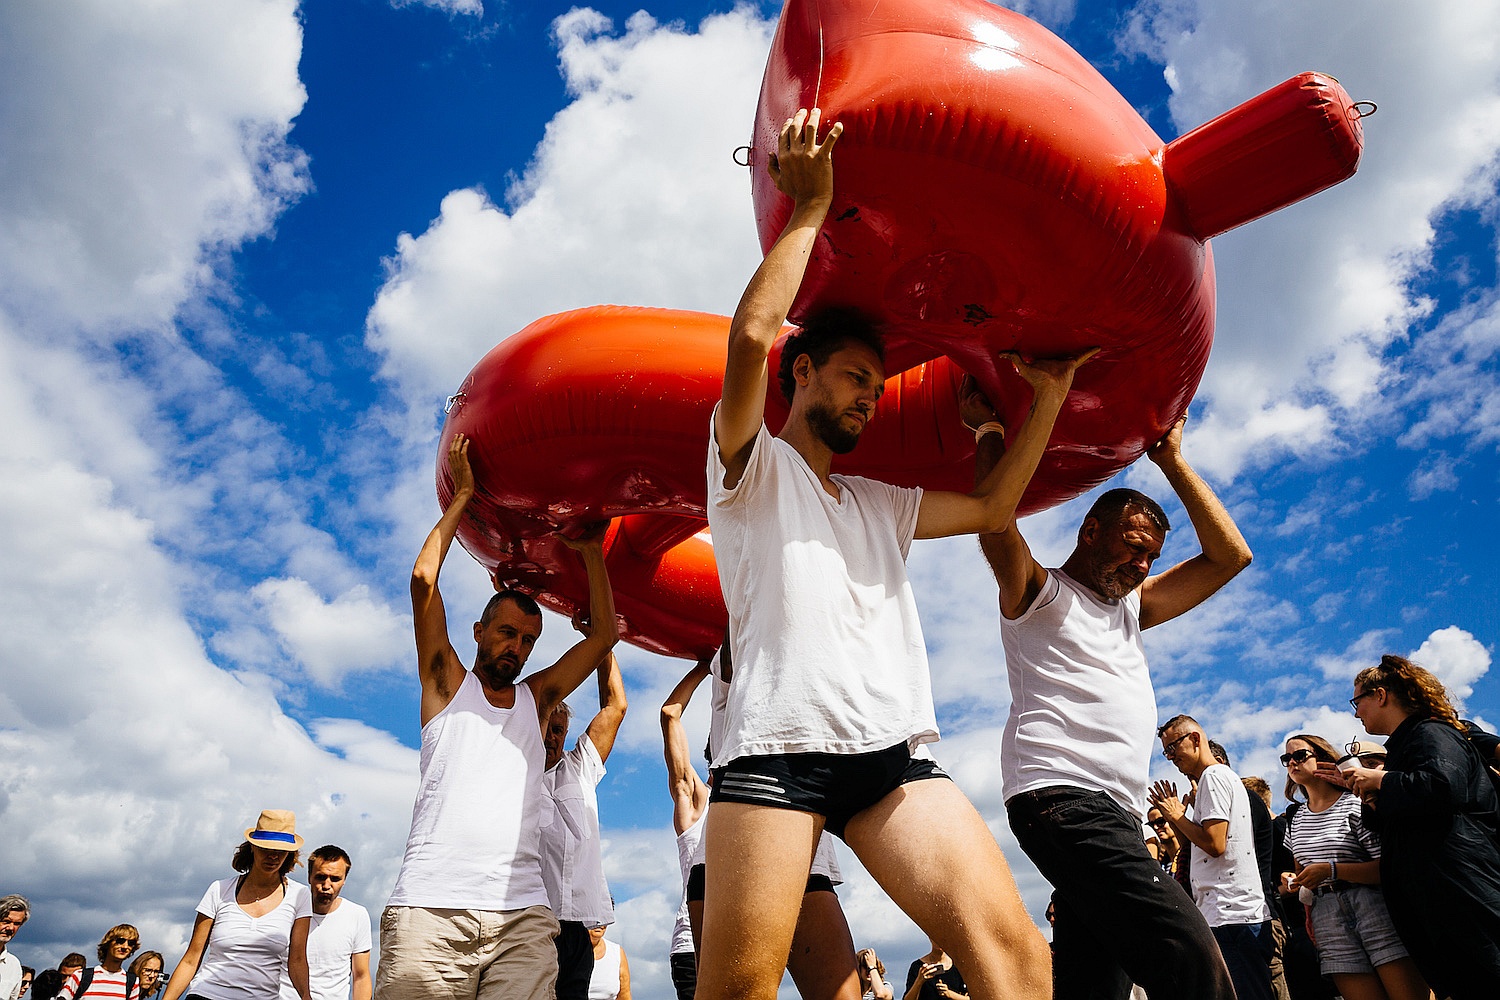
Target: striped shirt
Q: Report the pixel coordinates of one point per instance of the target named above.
(1335, 834)
(104, 986)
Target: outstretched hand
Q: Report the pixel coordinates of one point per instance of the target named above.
(459, 469)
(802, 167)
(1171, 443)
(1049, 374)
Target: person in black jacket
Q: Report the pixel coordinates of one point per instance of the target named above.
(1439, 831)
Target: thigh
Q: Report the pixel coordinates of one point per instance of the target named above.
(822, 956)
(521, 955)
(757, 862)
(934, 856)
(1243, 947)
(1083, 965)
(684, 973)
(1094, 855)
(428, 953)
(575, 961)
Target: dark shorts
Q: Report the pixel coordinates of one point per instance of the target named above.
(684, 973)
(696, 879)
(836, 786)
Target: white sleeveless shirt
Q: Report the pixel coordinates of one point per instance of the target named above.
(689, 843)
(474, 841)
(604, 984)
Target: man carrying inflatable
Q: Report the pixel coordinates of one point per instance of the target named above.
(831, 694)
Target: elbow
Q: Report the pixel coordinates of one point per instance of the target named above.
(1243, 557)
(670, 714)
(423, 581)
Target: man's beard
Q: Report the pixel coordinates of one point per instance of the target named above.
(1116, 584)
(830, 431)
(497, 672)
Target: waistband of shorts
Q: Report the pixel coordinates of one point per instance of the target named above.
(1331, 885)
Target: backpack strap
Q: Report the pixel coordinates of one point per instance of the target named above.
(129, 983)
(85, 976)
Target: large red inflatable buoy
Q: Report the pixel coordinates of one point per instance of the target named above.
(992, 192)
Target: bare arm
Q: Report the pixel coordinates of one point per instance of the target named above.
(689, 793)
(296, 958)
(992, 504)
(438, 666)
(1315, 873)
(552, 684)
(1225, 552)
(606, 725)
(187, 966)
(359, 965)
(624, 976)
(1211, 836)
(1017, 573)
(803, 170)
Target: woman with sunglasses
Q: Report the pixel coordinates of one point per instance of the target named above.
(1435, 811)
(107, 979)
(1338, 864)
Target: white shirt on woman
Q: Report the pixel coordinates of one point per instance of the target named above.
(245, 954)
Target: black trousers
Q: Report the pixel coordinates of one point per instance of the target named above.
(575, 961)
(684, 973)
(1119, 917)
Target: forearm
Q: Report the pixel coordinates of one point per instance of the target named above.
(439, 539)
(768, 297)
(1197, 835)
(604, 629)
(1012, 469)
(1363, 872)
(611, 686)
(1218, 535)
(296, 970)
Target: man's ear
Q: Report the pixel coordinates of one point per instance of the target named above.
(802, 369)
(1088, 531)
(478, 628)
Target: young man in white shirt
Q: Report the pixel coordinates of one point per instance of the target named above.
(14, 911)
(469, 915)
(338, 938)
(831, 692)
(572, 866)
(1226, 877)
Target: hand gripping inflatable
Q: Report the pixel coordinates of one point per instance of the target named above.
(992, 192)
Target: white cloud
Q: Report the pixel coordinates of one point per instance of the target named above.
(1311, 299)
(352, 632)
(1457, 658)
(142, 141)
(1365, 651)
(631, 198)
(472, 8)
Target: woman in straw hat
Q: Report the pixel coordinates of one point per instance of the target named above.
(251, 927)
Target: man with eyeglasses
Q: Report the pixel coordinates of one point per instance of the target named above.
(1076, 751)
(1227, 879)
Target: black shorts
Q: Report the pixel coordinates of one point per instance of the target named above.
(836, 786)
(696, 879)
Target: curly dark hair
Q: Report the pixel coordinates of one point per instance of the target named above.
(822, 335)
(1416, 688)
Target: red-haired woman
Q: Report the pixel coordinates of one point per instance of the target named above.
(1439, 828)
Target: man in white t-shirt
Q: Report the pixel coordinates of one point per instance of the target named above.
(831, 691)
(1226, 876)
(572, 866)
(338, 939)
(1075, 753)
(469, 915)
(14, 911)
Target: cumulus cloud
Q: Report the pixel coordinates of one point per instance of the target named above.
(1316, 301)
(354, 631)
(632, 197)
(1457, 658)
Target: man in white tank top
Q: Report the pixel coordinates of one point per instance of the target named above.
(468, 917)
(831, 692)
(1076, 750)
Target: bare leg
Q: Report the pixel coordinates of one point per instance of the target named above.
(1359, 986)
(822, 958)
(931, 852)
(1402, 981)
(758, 858)
(695, 922)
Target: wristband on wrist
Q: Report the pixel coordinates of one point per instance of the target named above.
(1333, 871)
(989, 427)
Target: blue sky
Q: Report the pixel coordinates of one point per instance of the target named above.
(246, 250)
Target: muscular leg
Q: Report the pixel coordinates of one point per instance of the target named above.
(931, 852)
(758, 860)
(822, 957)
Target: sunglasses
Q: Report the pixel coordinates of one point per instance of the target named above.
(1170, 750)
(1300, 756)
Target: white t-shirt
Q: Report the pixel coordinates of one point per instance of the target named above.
(10, 976)
(333, 939)
(1082, 709)
(245, 954)
(828, 649)
(1227, 889)
(572, 866)
(688, 843)
(475, 826)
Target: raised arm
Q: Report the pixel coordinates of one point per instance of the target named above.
(689, 793)
(1225, 552)
(606, 725)
(553, 684)
(1018, 574)
(803, 170)
(438, 666)
(992, 504)
(1211, 836)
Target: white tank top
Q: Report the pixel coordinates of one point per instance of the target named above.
(474, 840)
(689, 843)
(604, 984)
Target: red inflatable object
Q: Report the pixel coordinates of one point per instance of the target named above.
(993, 192)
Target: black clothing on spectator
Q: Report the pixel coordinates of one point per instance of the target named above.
(953, 979)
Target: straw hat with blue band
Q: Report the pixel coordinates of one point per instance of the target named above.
(276, 830)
